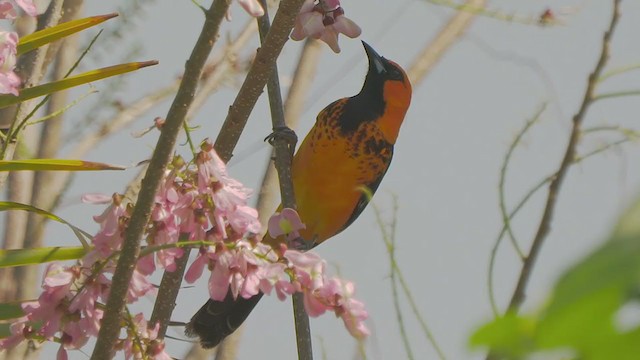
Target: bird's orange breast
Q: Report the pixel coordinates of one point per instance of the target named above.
(329, 169)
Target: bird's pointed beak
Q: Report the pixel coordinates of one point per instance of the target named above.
(376, 63)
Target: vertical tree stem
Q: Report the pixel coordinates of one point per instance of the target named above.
(111, 322)
(284, 152)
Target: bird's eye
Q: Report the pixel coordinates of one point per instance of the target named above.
(394, 73)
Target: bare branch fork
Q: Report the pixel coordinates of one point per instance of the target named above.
(569, 157)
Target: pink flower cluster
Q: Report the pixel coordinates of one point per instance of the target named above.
(9, 81)
(324, 20)
(249, 268)
(8, 8)
(202, 204)
(70, 306)
(318, 19)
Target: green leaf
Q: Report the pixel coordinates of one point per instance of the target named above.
(580, 316)
(511, 336)
(45, 36)
(588, 296)
(55, 165)
(80, 234)
(5, 330)
(94, 75)
(22, 257)
(11, 310)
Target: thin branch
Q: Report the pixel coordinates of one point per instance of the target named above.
(503, 176)
(618, 71)
(121, 120)
(162, 154)
(171, 281)
(554, 187)
(445, 38)
(293, 108)
(578, 159)
(395, 268)
(506, 217)
(222, 68)
(615, 128)
(615, 94)
(494, 14)
(169, 288)
(284, 153)
(256, 78)
(389, 238)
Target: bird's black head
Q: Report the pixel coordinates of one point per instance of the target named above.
(385, 81)
(381, 69)
(386, 89)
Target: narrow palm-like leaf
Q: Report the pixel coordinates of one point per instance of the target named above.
(5, 330)
(80, 234)
(55, 165)
(22, 257)
(9, 311)
(93, 75)
(45, 36)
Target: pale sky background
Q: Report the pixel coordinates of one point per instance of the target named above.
(446, 166)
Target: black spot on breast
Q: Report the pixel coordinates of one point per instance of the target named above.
(376, 146)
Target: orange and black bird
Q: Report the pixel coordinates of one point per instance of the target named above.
(350, 146)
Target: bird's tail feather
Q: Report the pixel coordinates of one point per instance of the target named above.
(218, 319)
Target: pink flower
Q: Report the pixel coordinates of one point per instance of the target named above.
(308, 22)
(147, 337)
(197, 267)
(8, 51)
(96, 198)
(308, 268)
(354, 318)
(229, 195)
(74, 335)
(313, 305)
(351, 311)
(28, 6)
(9, 81)
(287, 222)
(7, 8)
(324, 20)
(56, 284)
(336, 296)
(340, 25)
(7, 11)
(17, 329)
(109, 239)
(273, 276)
(235, 269)
(90, 323)
(244, 219)
(220, 276)
(93, 289)
(252, 7)
(139, 286)
(146, 264)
